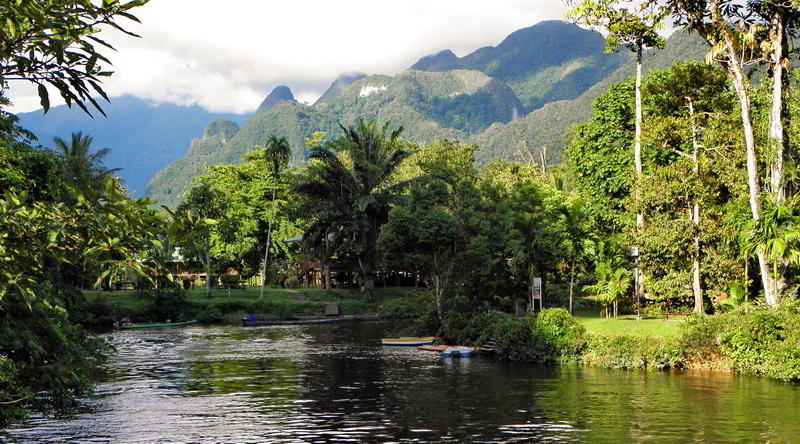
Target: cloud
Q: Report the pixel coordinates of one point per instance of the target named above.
(227, 56)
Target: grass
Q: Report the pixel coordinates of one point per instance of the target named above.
(628, 325)
(276, 302)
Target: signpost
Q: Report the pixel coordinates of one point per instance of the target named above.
(536, 293)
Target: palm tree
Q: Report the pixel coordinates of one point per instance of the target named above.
(359, 191)
(83, 168)
(612, 284)
(276, 155)
(576, 235)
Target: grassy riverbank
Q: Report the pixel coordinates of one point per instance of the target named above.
(228, 306)
(749, 340)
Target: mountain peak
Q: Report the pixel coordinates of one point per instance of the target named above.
(225, 128)
(443, 60)
(280, 94)
(338, 86)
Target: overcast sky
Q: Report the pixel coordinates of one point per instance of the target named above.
(228, 55)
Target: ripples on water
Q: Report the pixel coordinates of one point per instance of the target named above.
(336, 383)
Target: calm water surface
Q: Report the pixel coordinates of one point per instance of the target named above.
(336, 383)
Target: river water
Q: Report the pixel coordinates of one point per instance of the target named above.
(336, 383)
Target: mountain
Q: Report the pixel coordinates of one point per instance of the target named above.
(429, 105)
(549, 61)
(479, 98)
(143, 137)
(279, 94)
(549, 125)
(337, 87)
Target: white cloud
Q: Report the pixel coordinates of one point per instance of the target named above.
(227, 56)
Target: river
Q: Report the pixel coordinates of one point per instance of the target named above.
(336, 383)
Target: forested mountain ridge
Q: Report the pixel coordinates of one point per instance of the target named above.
(143, 137)
(446, 97)
(549, 61)
(430, 105)
(548, 126)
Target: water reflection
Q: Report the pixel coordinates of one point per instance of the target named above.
(336, 383)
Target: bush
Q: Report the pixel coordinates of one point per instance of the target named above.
(563, 334)
(515, 341)
(750, 339)
(628, 352)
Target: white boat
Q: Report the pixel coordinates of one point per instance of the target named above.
(409, 340)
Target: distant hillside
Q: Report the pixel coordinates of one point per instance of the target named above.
(549, 125)
(552, 60)
(143, 137)
(442, 100)
(429, 105)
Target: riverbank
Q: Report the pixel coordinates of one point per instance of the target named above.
(750, 340)
(224, 306)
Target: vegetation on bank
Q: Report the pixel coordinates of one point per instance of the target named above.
(749, 340)
(103, 308)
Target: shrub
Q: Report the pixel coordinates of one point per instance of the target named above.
(628, 352)
(515, 341)
(753, 339)
(562, 332)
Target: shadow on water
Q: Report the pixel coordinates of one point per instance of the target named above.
(337, 383)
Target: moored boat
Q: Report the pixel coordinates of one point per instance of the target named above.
(156, 324)
(409, 341)
(251, 321)
(458, 352)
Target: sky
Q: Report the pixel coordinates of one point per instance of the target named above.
(228, 55)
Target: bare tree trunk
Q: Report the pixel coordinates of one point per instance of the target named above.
(778, 113)
(571, 283)
(738, 80)
(694, 214)
(637, 158)
(778, 139)
(208, 267)
(266, 251)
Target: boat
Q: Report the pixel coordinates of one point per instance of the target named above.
(253, 322)
(409, 340)
(157, 324)
(458, 352)
(446, 348)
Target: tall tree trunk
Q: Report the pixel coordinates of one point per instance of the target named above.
(779, 114)
(266, 250)
(637, 158)
(571, 283)
(731, 64)
(208, 266)
(694, 214)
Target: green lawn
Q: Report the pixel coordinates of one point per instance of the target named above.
(628, 325)
(300, 301)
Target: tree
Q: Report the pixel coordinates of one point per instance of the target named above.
(277, 155)
(360, 193)
(82, 168)
(724, 25)
(576, 235)
(201, 207)
(428, 234)
(636, 30)
(55, 43)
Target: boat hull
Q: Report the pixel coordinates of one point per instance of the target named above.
(329, 320)
(156, 325)
(409, 341)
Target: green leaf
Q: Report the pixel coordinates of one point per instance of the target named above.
(44, 98)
